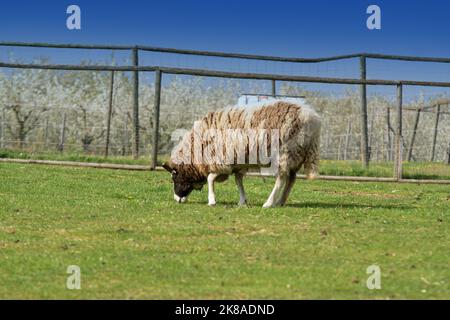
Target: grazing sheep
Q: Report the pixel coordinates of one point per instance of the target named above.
(233, 140)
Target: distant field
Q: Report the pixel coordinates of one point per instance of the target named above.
(131, 240)
(72, 157)
(412, 170)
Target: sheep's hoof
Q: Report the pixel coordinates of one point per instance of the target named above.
(242, 203)
(268, 205)
(272, 205)
(211, 203)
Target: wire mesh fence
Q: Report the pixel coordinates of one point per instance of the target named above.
(80, 109)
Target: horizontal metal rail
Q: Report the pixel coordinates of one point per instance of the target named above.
(256, 174)
(278, 77)
(70, 67)
(224, 54)
(225, 74)
(79, 164)
(405, 58)
(64, 46)
(428, 108)
(177, 51)
(270, 95)
(417, 109)
(247, 56)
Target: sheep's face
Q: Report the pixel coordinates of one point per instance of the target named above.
(181, 190)
(182, 185)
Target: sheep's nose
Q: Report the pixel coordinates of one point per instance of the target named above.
(179, 199)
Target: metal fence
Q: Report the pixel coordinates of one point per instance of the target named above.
(159, 72)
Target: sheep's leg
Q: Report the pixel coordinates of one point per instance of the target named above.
(276, 194)
(211, 195)
(242, 198)
(287, 190)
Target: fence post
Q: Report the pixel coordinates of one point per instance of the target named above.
(413, 138)
(108, 120)
(436, 124)
(389, 140)
(448, 154)
(125, 136)
(156, 118)
(46, 134)
(274, 88)
(339, 150)
(347, 138)
(364, 127)
(135, 61)
(62, 135)
(398, 135)
(2, 124)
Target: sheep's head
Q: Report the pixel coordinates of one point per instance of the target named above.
(183, 182)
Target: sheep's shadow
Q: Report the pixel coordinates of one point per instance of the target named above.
(219, 203)
(317, 205)
(326, 205)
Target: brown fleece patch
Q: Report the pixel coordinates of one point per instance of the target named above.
(236, 119)
(272, 116)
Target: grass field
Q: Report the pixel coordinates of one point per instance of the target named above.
(411, 170)
(131, 240)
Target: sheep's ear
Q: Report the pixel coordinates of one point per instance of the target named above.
(167, 166)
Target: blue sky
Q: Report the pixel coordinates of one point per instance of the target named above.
(286, 28)
(298, 28)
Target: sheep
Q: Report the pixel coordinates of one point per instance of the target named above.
(237, 139)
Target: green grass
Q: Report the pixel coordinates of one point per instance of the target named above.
(131, 240)
(412, 170)
(80, 157)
